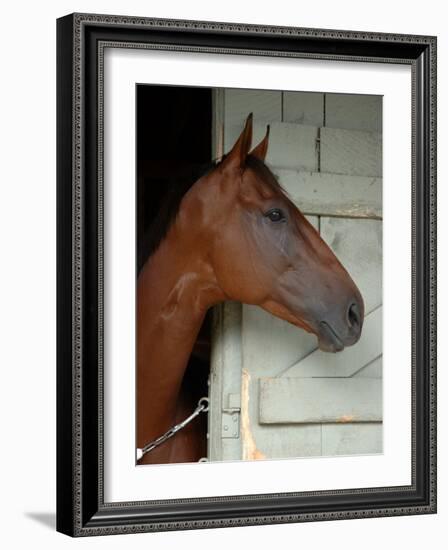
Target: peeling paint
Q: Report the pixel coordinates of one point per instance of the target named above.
(346, 418)
(250, 451)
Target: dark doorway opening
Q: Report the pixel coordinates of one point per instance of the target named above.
(174, 141)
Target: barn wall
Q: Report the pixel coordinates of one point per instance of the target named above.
(269, 383)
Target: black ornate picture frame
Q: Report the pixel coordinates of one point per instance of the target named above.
(81, 40)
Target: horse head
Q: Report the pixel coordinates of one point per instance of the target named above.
(265, 252)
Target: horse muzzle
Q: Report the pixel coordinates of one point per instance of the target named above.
(335, 332)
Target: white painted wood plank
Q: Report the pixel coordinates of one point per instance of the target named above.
(358, 245)
(270, 344)
(303, 108)
(350, 152)
(333, 194)
(293, 146)
(352, 439)
(320, 400)
(225, 377)
(372, 370)
(263, 441)
(354, 112)
(288, 441)
(347, 362)
(266, 106)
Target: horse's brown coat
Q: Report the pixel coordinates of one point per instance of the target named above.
(223, 245)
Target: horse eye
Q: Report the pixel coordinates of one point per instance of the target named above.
(275, 215)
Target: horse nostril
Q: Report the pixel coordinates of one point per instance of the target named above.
(354, 316)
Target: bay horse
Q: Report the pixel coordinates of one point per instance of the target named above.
(233, 235)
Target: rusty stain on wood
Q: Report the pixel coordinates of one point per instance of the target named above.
(341, 400)
(250, 451)
(346, 418)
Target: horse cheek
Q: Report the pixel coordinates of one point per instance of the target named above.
(238, 277)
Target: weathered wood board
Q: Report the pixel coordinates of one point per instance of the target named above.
(317, 193)
(303, 108)
(226, 354)
(326, 151)
(260, 441)
(371, 370)
(350, 152)
(293, 400)
(354, 112)
(358, 245)
(266, 106)
(352, 439)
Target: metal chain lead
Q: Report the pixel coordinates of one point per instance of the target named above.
(202, 407)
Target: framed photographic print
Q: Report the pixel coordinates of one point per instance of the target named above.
(246, 274)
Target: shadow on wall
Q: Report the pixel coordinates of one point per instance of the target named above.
(47, 519)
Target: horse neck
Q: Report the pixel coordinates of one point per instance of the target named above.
(175, 290)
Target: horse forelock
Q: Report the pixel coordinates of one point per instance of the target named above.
(265, 175)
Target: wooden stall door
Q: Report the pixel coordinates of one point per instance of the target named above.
(273, 393)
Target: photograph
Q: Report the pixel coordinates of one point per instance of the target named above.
(259, 274)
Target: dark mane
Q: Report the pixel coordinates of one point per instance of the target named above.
(168, 210)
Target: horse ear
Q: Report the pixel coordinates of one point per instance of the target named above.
(237, 155)
(261, 149)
